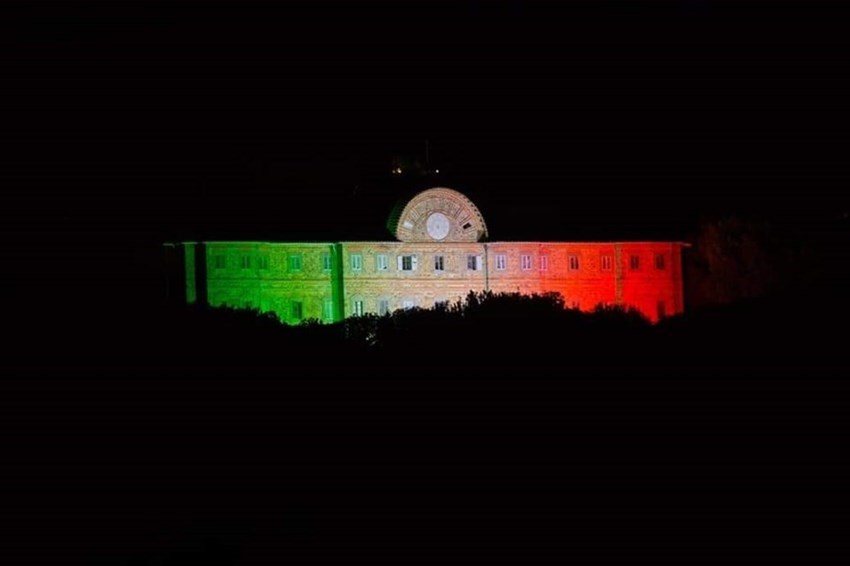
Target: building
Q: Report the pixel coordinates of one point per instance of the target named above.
(441, 253)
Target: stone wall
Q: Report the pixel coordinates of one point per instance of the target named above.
(297, 280)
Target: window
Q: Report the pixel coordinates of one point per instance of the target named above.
(356, 262)
(381, 262)
(634, 262)
(501, 262)
(326, 261)
(246, 262)
(219, 262)
(383, 306)
(294, 262)
(525, 262)
(473, 262)
(407, 263)
(439, 263)
(357, 308)
(659, 261)
(544, 263)
(297, 310)
(572, 262)
(605, 262)
(662, 310)
(263, 262)
(327, 309)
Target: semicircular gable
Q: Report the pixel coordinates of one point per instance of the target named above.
(438, 214)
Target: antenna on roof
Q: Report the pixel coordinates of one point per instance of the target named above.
(428, 170)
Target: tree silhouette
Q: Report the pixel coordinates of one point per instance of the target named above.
(734, 258)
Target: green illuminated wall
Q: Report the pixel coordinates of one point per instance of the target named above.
(191, 282)
(296, 281)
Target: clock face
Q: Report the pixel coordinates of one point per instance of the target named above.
(438, 215)
(438, 226)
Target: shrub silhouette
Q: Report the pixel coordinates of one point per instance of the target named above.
(487, 333)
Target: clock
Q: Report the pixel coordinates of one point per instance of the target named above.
(437, 226)
(438, 214)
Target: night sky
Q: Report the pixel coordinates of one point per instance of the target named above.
(128, 125)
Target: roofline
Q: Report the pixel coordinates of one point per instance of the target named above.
(397, 243)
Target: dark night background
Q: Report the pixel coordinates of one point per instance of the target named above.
(125, 125)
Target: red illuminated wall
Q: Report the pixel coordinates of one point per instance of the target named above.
(644, 275)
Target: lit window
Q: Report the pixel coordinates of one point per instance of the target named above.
(659, 262)
(473, 262)
(356, 262)
(326, 261)
(263, 262)
(501, 262)
(605, 262)
(439, 263)
(327, 309)
(407, 263)
(297, 310)
(381, 262)
(295, 262)
(383, 306)
(358, 308)
(219, 262)
(525, 262)
(634, 262)
(544, 263)
(572, 262)
(246, 262)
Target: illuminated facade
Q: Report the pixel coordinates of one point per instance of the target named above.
(441, 253)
